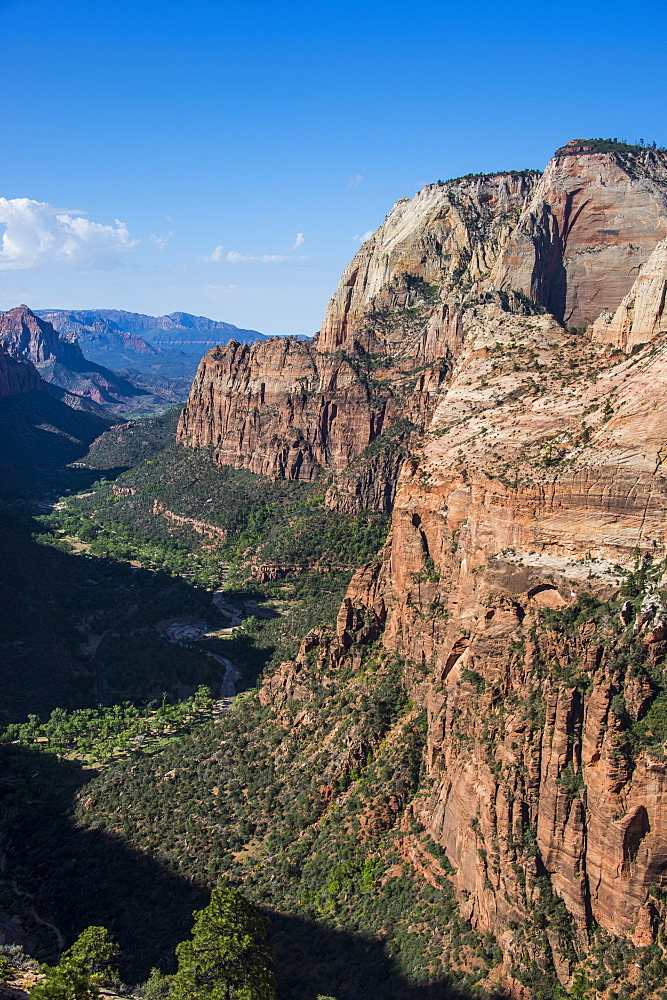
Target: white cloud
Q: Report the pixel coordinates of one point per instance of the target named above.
(355, 180)
(40, 235)
(298, 242)
(212, 258)
(241, 258)
(364, 236)
(161, 239)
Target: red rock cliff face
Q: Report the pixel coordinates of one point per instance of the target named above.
(591, 222)
(570, 241)
(539, 478)
(536, 483)
(17, 377)
(26, 336)
(284, 409)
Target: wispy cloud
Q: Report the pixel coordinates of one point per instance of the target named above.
(364, 236)
(40, 235)
(213, 257)
(355, 180)
(267, 258)
(161, 239)
(235, 257)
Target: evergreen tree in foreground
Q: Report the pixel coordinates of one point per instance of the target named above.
(227, 958)
(82, 969)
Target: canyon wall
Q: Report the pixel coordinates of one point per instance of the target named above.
(591, 222)
(528, 485)
(641, 315)
(528, 493)
(17, 377)
(569, 242)
(26, 336)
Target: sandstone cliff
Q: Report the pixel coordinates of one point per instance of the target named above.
(283, 409)
(538, 487)
(569, 242)
(591, 222)
(530, 489)
(641, 315)
(26, 336)
(17, 377)
(62, 365)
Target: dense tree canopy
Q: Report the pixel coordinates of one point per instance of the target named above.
(82, 969)
(227, 958)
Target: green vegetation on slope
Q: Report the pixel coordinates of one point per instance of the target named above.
(128, 444)
(607, 146)
(78, 629)
(97, 735)
(247, 519)
(300, 806)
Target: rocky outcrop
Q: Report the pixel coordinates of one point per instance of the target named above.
(434, 247)
(529, 483)
(540, 478)
(284, 409)
(17, 377)
(62, 365)
(591, 222)
(25, 336)
(201, 527)
(569, 242)
(641, 316)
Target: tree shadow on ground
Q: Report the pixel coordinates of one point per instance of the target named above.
(54, 602)
(58, 875)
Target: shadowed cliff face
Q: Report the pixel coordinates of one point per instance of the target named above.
(533, 483)
(16, 376)
(591, 222)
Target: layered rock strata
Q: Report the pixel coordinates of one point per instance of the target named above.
(591, 222)
(285, 410)
(25, 336)
(569, 241)
(641, 315)
(537, 485)
(534, 485)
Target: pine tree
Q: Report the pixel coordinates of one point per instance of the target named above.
(227, 958)
(82, 969)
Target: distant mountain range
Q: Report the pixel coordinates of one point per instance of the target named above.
(72, 377)
(109, 361)
(42, 426)
(168, 345)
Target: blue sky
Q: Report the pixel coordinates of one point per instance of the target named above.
(225, 158)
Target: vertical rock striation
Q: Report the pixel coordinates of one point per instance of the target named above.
(17, 377)
(524, 463)
(641, 315)
(592, 221)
